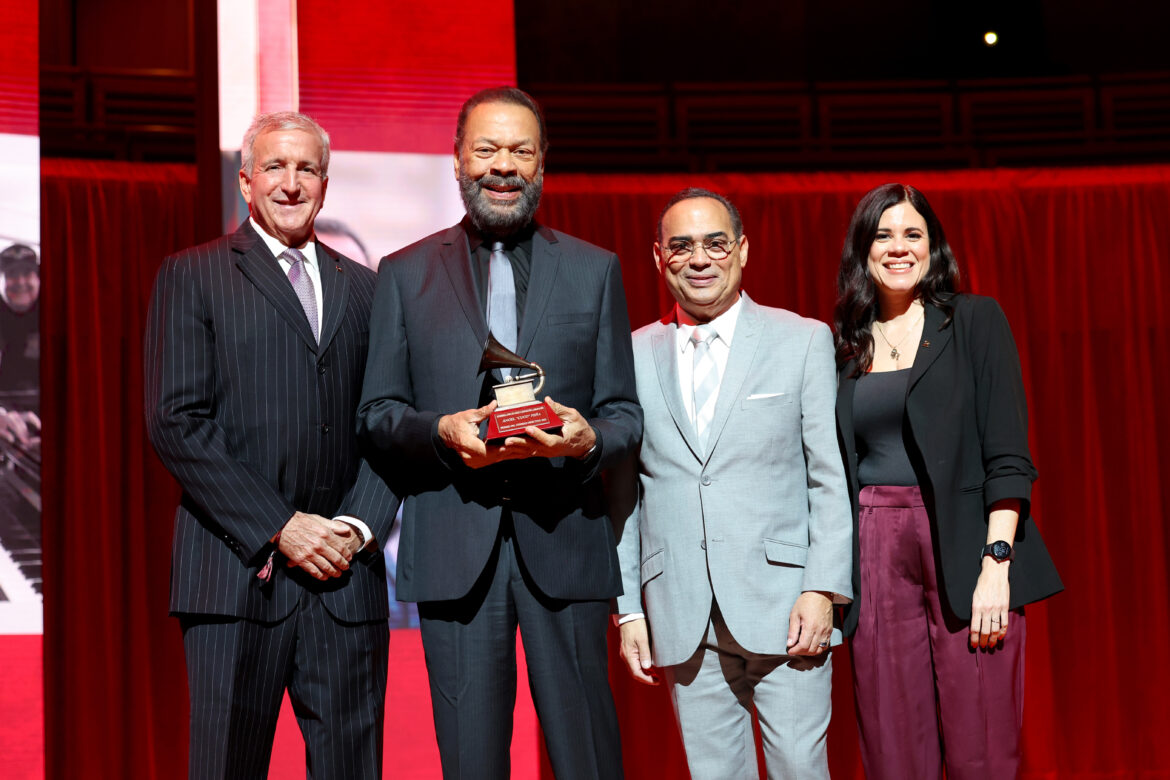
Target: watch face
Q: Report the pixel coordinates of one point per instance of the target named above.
(1001, 550)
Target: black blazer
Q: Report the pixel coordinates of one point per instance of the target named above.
(255, 420)
(427, 335)
(968, 417)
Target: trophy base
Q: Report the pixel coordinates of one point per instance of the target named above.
(512, 420)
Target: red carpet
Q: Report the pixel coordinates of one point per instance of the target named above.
(22, 738)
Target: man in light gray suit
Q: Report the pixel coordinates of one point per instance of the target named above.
(739, 538)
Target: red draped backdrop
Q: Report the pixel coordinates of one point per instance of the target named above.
(115, 685)
(1076, 257)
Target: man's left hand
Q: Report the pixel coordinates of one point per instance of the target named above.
(321, 546)
(574, 441)
(810, 624)
(351, 535)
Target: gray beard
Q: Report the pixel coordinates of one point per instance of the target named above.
(494, 219)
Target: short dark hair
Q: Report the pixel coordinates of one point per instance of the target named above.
(856, 296)
(509, 95)
(692, 193)
(18, 255)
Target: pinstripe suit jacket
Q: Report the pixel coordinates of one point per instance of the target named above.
(255, 420)
(427, 337)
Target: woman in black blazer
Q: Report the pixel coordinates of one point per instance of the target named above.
(933, 426)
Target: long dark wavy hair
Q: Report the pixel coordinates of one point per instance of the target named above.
(856, 307)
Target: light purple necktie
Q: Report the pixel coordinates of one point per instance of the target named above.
(303, 285)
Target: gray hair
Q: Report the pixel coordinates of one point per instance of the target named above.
(282, 120)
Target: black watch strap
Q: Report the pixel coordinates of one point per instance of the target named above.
(999, 550)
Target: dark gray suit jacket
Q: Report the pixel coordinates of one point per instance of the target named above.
(427, 336)
(255, 420)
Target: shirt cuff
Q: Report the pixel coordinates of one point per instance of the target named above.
(362, 529)
(619, 619)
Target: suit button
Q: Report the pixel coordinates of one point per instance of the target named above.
(703, 544)
(320, 368)
(706, 480)
(324, 428)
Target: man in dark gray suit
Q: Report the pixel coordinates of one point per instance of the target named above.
(495, 536)
(255, 353)
(739, 539)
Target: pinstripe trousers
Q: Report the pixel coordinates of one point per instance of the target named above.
(238, 670)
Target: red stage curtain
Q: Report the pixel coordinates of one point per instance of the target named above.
(1075, 257)
(115, 685)
(1080, 261)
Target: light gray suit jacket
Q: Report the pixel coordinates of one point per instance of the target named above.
(761, 517)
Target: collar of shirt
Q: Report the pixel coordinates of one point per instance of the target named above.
(311, 266)
(521, 238)
(517, 247)
(724, 326)
(277, 248)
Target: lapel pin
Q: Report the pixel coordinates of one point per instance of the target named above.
(925, 343)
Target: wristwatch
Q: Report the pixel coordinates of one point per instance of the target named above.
(1000, 550)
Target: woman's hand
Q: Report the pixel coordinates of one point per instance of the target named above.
(989, 605)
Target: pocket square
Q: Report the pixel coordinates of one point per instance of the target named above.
(761, 396)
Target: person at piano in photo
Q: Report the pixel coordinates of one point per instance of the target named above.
(20, 345)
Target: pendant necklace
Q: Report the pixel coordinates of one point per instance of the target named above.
(894, 352)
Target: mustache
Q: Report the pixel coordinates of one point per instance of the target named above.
(492, 180)
(505, 217)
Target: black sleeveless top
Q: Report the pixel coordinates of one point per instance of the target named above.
(879, 413)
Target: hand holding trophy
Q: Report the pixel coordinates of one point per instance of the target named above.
(517, 407)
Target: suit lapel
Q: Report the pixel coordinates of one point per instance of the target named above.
(263, 270)
(935, 339)
(334, 293)
(455, 254)
(546, 263)
(739, 363)
(664, 346)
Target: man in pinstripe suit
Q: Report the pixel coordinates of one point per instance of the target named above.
(255, 353)
(514, 534)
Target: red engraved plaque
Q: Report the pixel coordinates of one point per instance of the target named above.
(512, 420)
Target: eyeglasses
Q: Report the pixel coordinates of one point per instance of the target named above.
(715, 249)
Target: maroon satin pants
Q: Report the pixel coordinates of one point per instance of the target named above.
(924, 697)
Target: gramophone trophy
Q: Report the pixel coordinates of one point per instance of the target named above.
(516, 404)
